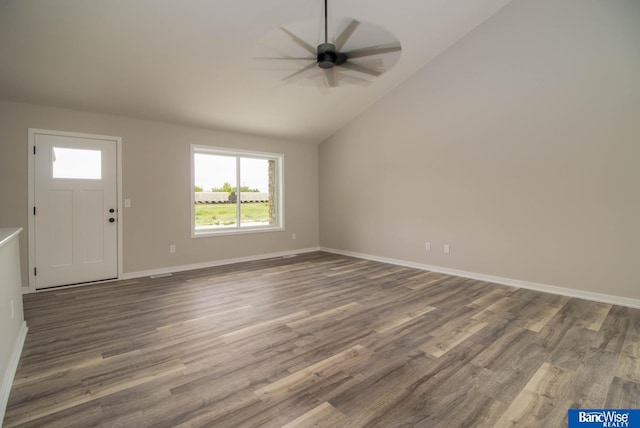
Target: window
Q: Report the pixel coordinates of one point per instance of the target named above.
(235, 191)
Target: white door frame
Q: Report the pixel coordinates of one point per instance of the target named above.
(31, 195)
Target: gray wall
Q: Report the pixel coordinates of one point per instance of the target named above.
(519, 147)
(156, 177)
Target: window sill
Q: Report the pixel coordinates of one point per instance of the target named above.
(206, 232)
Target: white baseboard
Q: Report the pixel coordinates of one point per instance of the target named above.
(10, 372)
(172, 269)
(545, 288)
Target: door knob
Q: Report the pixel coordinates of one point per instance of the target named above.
(111, 220)
(112, 210)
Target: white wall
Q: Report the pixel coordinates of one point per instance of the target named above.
(519, 147)
(156, 178)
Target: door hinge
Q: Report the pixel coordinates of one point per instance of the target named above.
(34, 150)
(34, 210)
(35, 271)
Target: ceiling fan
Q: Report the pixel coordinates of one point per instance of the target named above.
(330, 56)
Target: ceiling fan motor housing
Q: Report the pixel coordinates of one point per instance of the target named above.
(328, 57)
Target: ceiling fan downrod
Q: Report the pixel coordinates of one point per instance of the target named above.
(327, 55)
(326, 20)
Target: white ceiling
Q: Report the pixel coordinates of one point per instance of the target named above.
(193, 61)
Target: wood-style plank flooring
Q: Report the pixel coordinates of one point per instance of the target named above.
(319, 340)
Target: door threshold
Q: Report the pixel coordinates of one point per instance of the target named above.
(75, 285)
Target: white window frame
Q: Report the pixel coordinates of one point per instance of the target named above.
(238, 229)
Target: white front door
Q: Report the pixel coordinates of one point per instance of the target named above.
(75, 198)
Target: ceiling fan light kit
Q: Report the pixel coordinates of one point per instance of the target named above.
(328, 57)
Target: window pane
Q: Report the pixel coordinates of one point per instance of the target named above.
(215, 191)
(77, 164)
(254, 192)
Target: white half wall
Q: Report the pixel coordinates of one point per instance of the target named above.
(13, 328)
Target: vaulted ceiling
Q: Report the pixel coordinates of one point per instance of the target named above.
(195, 62)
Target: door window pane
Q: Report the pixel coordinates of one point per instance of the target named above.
(79, 164)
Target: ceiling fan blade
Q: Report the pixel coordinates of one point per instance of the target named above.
(353, 79)
(375, 63)
(300, 42)
(373, 50)
(344, 36)
(329, 77)
(302, 70)
(290, 58)
(361, 68)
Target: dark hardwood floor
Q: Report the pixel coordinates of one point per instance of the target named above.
(319, 340)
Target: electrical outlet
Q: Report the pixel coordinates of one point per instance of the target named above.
(127, 203)
(427, 246)
(445, 249)
(172, 248)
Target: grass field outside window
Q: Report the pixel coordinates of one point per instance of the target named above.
(225, 214)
